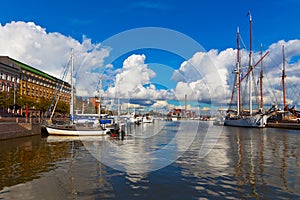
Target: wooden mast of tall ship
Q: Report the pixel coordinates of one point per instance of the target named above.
(250, 66)
(240, 117)
(261, 76)
(238, 77)
(295, 113)
(72, 89)
(283, 78)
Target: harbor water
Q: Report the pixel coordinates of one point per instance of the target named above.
(163, 160)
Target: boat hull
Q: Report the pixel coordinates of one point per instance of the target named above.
(254, 121)
(149, 120)
(73, 131)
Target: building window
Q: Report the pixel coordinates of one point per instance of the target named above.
(7, 87)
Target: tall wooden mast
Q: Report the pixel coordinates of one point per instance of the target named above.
(250, 65)
(72, 89)
(238, 78)
(283, 78)
(261, 81)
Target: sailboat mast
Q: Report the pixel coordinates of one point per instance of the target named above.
(250, 65)
(261, 81)
(100, 96)
(238, 78)
(283, 78)
(72, 89)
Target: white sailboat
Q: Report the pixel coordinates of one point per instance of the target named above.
(239, 116)
(147, 118)
(72, 128)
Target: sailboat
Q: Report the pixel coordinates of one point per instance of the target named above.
(242, 117)
(72, 128)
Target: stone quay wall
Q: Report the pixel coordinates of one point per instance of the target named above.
(19, 127)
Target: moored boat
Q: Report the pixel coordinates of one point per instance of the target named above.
(239, 116)
(75, 128)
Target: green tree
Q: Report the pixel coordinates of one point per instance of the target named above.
(62, 108)
(42, 104)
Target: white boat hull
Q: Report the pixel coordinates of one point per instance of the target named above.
(76, 132)
(147, 120)
(254, 121)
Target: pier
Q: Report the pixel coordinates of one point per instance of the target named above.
(295, 126)
(19, 127)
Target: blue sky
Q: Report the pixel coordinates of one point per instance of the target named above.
(44, 30)
(211, 23)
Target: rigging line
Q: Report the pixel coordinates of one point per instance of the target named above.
(270, 87)
(277, 65)
(233, 93)
(254, 66)
(293, 90)
(58, 89)
(293, 85)
(244, 93)
(255, 89)
(243, 44)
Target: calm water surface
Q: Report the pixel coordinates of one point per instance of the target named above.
(244, 164)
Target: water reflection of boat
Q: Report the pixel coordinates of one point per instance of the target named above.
(135, 118)
(55, 138)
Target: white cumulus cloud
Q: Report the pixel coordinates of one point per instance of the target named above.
(208, 75)
(50, 52)
(134, 81)
(205, 76)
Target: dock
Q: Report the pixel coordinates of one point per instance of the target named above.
(18, 127)
(284, 125)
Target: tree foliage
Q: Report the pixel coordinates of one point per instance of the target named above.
(15, 100)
